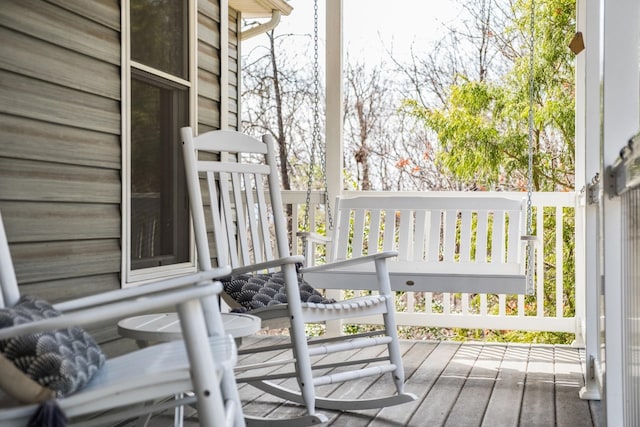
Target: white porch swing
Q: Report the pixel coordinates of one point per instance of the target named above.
(445, 243)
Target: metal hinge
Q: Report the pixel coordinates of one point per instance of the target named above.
(592, 367)
(593, 190)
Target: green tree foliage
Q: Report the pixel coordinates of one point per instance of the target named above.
(482, 126)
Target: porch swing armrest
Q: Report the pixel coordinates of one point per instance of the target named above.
(349, 262)
(314, 237)
(294, 259)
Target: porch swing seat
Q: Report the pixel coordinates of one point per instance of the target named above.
(234, 194)
(445, 243)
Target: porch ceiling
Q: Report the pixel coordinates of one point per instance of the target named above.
(260, 8)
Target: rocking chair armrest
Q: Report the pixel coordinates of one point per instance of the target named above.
(116, 310)
(293, 259)
(314, 237)
(349, 262)
(143, 290)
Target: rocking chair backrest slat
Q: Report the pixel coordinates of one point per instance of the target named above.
(8, 283)
(242, 214)
(251, 201)
(264, 230)
(216, 219)
(227, 214)
(241, 202)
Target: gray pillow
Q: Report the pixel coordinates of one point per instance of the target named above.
(64, 360)
(253, 291)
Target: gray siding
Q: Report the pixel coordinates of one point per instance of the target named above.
(60, 142)
(209, 67)
(60, 149)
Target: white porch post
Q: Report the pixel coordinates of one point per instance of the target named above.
(580, 179)
(334, 121)
(587, 166)
(620, 115)
(334, 98)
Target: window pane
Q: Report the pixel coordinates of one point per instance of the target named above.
(159, 215)
(158, 35)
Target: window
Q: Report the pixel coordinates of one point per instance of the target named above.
(160, 90)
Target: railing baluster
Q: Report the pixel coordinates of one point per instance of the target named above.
(559, 262)
(540, 263)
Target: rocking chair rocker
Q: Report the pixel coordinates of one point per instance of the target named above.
(245, 213)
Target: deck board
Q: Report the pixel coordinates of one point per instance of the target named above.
(457, 384)
(503, 408)
(477, 389)
(442, 397)
(538, 402)
(568, 378)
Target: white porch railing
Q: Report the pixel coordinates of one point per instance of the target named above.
(547, 310)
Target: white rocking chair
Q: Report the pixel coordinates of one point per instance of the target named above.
(143, 378)
(241, 195)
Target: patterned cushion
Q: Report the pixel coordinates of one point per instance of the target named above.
(64, 360)
(254, 291)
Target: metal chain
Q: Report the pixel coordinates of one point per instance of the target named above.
(316, 123)
(531, 128)
(530, 252)
(315, 144)
(316, 119)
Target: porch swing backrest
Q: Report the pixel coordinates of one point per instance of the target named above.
(444, 243)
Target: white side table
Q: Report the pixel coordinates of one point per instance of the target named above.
(150, 328)
(160, 327)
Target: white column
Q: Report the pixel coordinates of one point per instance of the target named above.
(580, 178)
(334, 121)
(621, 112)
(587, 166)
(334, 98)
(224, 64)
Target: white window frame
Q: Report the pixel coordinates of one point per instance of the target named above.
(131, 277)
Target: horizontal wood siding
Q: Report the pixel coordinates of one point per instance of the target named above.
(60, 150)
(60, 139)
(209, 90)
(208, 65)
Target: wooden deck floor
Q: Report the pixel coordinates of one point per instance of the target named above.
(457, 384)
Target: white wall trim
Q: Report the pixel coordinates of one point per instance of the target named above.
(224, 64)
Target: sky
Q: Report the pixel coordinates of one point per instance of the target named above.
(373, 26)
